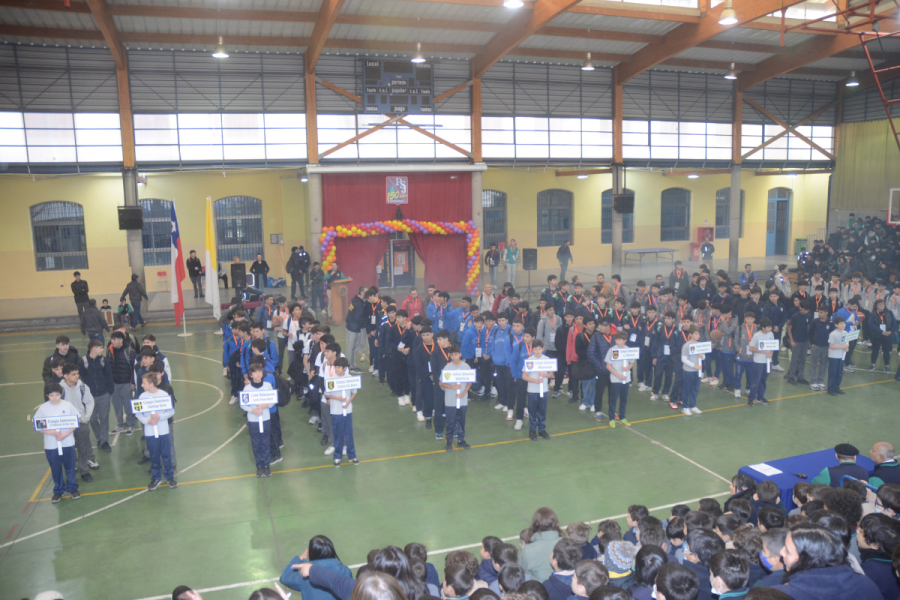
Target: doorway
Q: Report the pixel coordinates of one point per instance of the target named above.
(397, 268)
(778, 221)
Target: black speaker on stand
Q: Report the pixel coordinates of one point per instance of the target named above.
(529, 263)
(239, 278)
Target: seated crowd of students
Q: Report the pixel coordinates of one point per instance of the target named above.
(841, 543)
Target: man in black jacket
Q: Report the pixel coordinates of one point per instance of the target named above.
(195, 272)
(356, 329)
(295, 266)
(120, 355)
(64, 351)
(80, 291)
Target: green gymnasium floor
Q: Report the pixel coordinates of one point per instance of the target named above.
(223, 528)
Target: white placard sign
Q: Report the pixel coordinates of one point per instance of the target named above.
(340, 384)
(851, 335)
(700, 348)
(259, 397)
(149, 405)
(625, 353)
(42, 424)
(540, 365)
(769, 345)
(459, 376)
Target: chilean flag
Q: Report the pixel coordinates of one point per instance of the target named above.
(177, 270)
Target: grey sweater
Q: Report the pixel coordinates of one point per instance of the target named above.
(135, 291)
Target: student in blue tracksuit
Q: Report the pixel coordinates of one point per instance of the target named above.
(231, 339)
(501, 367)
(472, 348)
(774, 311)
(257, 332)
(517, 351)
(445, 315)
(600, 343)
(259, 356)
(462, 318)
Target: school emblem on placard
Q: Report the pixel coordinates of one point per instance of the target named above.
(529, 365)
(40, 424)
(446, 376)
(330, 386)
(615, 355)
(136, 406)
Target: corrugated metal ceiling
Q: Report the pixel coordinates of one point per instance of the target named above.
(724, 55)
(604, 23)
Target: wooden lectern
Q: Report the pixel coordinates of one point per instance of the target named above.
(340, 300)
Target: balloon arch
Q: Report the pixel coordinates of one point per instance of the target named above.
(473, 242)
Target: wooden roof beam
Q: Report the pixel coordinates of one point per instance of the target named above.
(328, 13)
(689, 35)
(107, 27)
(517, 30)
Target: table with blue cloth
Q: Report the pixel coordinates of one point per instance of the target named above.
(809, 464)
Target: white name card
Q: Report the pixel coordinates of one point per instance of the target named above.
(341, 384)
(769, 345)
(258, 397)
(700, 348)
(626, 353)
(42, 424)
(851, 335)
(539, 365)
(458, 376)
(155, 404)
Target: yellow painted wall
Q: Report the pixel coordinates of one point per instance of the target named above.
(810, 196)
(284, 211)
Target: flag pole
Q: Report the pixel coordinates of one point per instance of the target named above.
(184, 324)
(178, 273)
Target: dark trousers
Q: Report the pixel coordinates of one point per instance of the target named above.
(275, 440)
(456, 423)
(297, 279)
(486, 374)
(741, 367)
(835, 374)
(401, 376)
(558, 377)
(521, 387)
(440, 412)
(618, 398)
(537, 412)
(98, 337)
(343, 436)
(663, 375)
(504, 383)
(318, 297)
(260, 442)
(411, 379)
(726, 360)
(384, 368)
(160, 456)
(81, 306)
(758, 378)
(327, 425)
(425, 397)
(601, 387)
(282, 344)
(195, 281)
(475, 365)
(690, 388)
(62, 469)
(677, 383)
(136, 318)
(373, 351)
(561, 369)
(848, 360)
(775, 353)
(883, 343)
(645, 367)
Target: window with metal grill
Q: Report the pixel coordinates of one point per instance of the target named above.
(157, 233)
(606, 214)
(675, 215)
(723, 213)
(239, 229)
(554, 217)
(59, 240)
(494, 205)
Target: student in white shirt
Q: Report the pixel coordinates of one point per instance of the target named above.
(837, 350)
(259, 413)
(538, 390)
(156, 432)
(761, 365)
(62, 468)
(456, 401)
(341, 408)
(619, 380)
(78, 394)
(691, 365)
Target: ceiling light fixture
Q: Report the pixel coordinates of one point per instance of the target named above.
(582, 177)
(732, 73)
(220, 51)
(513, 3)
(693, 176)
(728, 16)
(418, 57)
(588, 64)
(853, 81)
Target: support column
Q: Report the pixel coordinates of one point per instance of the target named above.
(476, 120)
(314, 200)
(135, 243)
(312, 128)
(618, 187)
(478, 211)
(734, 223)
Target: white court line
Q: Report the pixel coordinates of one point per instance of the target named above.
(260, 582)
(679, 455)
(23, 383)
(118, 502)
(195, 356)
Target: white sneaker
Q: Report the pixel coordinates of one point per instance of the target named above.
(583, 407)
(225, 372)
(666, 397)
(345, 451)
(713, 381)
(329, 451)
(654, 397)
(499, 407)
(696, 410)
(375, 373)
(371, 368)
(737, 393)
(400, 400)
(406, 399)
(480, 393)
(687, 412)
(644, 388)
(420, 416)
(314, 420)
(518, 425)
(509, 415)
(233, 400)
(493, 392)
(704, 380)
(413, 407)
(777, 368)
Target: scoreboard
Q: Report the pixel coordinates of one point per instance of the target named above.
(397, 87)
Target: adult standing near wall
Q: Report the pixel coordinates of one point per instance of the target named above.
(298, 267)
(80, 291)
(135, 292)
(260, 270)
(356, 328)
(492, 261)
(512, 261)
(564, 256)
(195, 272)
